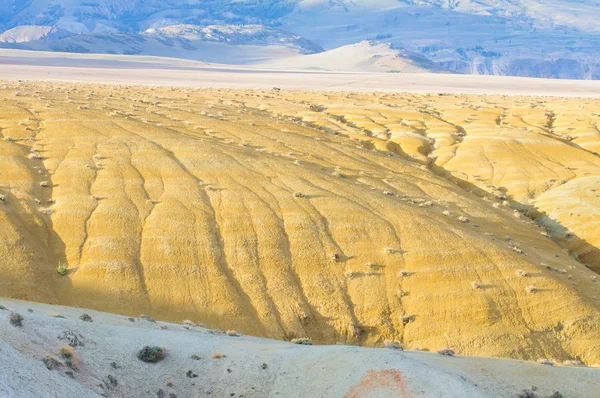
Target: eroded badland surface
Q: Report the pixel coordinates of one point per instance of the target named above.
(330, 215)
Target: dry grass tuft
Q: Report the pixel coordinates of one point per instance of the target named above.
(217, 354)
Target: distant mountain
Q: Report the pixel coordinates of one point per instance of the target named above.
(220, 44)
(558, 39)
(235, 35)
(501, 37)
(27, 33)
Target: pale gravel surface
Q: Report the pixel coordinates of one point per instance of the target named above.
(291, 370)
(120, 69)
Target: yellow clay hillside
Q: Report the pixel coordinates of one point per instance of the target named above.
(439, 221)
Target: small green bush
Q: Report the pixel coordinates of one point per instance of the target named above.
(86, 318)
(152, 354)
(15, 319)
(62, 269)
(51, 362)
(302, 341)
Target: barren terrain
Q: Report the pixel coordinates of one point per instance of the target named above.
(458, 221)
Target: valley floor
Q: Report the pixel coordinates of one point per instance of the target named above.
(144, 70)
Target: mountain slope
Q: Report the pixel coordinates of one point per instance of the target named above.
(291, 214)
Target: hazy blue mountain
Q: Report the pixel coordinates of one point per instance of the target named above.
(550, 38)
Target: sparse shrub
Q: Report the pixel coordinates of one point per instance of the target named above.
(43, 184)
(264, 366)
(463, 219)
(15, 319)
(148, 318)
(573, 362)
(8, 138)
(544, 361)
(475, 285)
(302, 341)
(233, 333)
(521, 273)
(47, 212)
(389, 250)
(531, 289)
(3, 198)
(152, 354)
(62, 269)
(388, 193)
(86, 318)
(217, 354)
(187, 322)
(355, 330)
(352, 274)
(67, 353)
(393, 345)
(407, 318)
(526, 394)
(112, 381)
(298, 195)
(446, 213)
(404, 274)
(337, 174)
(335, 257)
(446, 351)
(51, 362)
(196, 357)
(191, 374)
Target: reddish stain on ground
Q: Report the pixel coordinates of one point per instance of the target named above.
(380, 383)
